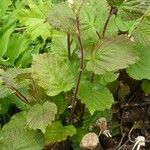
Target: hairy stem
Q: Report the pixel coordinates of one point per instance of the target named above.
(80, 70)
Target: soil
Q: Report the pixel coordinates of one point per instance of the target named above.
(133, 111)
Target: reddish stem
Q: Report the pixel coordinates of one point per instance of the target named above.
(69, 46)
(80, 71)
(111, 12)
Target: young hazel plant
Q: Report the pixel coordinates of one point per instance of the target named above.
(64, 66)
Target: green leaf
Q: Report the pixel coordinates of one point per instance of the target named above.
(112, 55)
(141, 70)
(59, 44)
(5, 62)
(52, 73)
(122, 25)
(62, 17)
(17, 120)
(146, 86)
(61, 103)
(40, 116)
(4, 91)
(25, 58)
(35, 19)
(92, 19)
(108, 78)
(115, 3)
(142, 33)
(5, 36)
(23, 139)
(16, 136)
(57, 133)
(5, 103)
(14, 100)
(17, 45)
(133, 9)
(3, 6)
(95, 97)
(36, 93)
(11, 78)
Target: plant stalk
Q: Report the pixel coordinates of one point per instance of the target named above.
(111, 12)
(73, 103)
(20, 95)
(69, 46)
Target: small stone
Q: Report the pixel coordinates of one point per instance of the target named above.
(89, 141)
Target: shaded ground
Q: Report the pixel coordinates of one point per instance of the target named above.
(132, 114)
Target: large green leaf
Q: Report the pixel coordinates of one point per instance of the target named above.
(62, 17)
(52, 73)
(142, 33)
(5, 103)
(35, 18)
(61, 102)
(14, 100)
(133, 9)
(5, 33)
(25, 58)
(40, 116)
(141, 70)
(17, 120)
(111, 55)
(93, 15)
(57, 133)
(59, 44)
(17, 45)
(96, 97)
(16, 136)
(36, 93)
(4, 91)
(3, 6)
(20, 139)
(123, 25)
(12, 78)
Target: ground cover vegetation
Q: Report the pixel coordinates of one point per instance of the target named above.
(72, 71)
